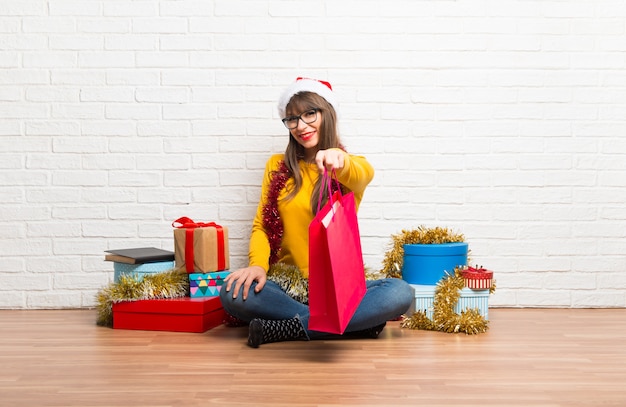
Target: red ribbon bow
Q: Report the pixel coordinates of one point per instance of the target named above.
(477, 273)
(190, 226)
(476, 269)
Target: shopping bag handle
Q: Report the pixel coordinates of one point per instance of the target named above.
(326, 180)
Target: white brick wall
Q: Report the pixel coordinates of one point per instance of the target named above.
(504, 120)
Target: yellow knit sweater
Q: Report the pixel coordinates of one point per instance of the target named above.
(296, 213)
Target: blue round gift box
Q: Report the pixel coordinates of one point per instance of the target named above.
(426, 264)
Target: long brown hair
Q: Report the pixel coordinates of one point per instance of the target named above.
(328, 138)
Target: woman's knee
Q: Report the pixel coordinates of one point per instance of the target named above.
(234, 306)
(402, 292)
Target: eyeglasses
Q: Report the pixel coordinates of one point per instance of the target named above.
(308, 117)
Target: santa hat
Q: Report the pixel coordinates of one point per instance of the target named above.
(322, 88)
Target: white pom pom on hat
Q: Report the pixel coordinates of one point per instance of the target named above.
(322, 88)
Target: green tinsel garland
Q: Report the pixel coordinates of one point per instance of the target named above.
(168, 284)
(392, 263)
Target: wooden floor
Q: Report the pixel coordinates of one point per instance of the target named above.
(529, 357)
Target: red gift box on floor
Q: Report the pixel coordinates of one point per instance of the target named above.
(169, 314)
(477, 278)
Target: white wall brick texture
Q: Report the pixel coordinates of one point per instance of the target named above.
(503, 120)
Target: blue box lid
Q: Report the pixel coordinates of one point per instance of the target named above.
(440, 249)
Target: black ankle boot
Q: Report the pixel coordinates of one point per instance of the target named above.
(269, 330)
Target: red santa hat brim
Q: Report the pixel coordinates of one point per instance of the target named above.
(322, 88)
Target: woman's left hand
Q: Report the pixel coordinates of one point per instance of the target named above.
(244, 278)
(330, 159)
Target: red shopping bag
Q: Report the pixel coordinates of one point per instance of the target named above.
(336, 272)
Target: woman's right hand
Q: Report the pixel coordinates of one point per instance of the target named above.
(245, 277)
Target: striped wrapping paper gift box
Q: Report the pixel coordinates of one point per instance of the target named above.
(473, 299)
(477, 278)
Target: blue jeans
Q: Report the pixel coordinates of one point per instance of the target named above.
(384, 300)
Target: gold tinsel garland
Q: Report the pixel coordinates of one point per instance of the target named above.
(445, 319)
(392, 263)
(175, 283)
(447, 291)
(292, 282)
(168, 284)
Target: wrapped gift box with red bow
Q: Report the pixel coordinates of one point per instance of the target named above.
(200, 247)
(477, 278)
(183, 314)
